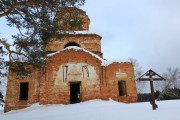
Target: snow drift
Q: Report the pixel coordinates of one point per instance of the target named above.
(97, 110)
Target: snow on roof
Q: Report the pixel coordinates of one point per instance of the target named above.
(124, 60)
(83, 32)
(79, 32)
(76, 49)
(103, 62)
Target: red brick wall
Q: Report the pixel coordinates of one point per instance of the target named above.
(47, 87)
(13, 88)
(111, 81)
(66, 15)
(90, 42)
(90, 87)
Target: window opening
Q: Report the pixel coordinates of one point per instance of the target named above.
(71, 44)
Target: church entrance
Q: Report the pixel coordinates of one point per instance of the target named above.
(75, 92)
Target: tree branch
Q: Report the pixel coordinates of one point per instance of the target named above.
(16, 4)
(7, 47)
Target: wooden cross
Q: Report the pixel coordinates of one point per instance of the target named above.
(151, 76)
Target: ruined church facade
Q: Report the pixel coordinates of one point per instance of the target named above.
(76, 71)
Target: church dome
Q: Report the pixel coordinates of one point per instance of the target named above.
(72, 19)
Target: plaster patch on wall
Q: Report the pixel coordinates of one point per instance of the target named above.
(120, 74)
(76, 72)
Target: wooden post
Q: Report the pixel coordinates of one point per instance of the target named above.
(154, 106)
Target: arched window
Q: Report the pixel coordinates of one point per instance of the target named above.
(71, 44)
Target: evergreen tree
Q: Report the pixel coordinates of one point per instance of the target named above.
(34, 20)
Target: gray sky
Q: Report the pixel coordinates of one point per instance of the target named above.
(147, 30)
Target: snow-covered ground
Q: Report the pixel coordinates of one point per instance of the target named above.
(97, 110)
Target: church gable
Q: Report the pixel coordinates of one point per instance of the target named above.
(76, 50)
(72, 65)
(75, 63)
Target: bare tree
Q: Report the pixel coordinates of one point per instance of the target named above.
(138, 72)
(172, 81)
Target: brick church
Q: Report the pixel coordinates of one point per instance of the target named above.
(76, 71)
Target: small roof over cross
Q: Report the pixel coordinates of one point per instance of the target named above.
(151, 76)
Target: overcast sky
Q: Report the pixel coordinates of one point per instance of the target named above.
(146, 30)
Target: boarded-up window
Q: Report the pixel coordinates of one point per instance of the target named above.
(24, 91)
(122, 88)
